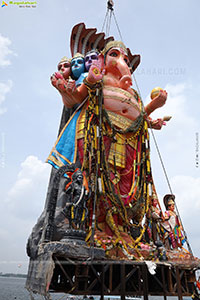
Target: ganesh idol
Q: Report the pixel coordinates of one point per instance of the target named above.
(107, 136)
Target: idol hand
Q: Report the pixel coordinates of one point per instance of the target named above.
(57, 80)
(95, 74)
(157, 102)
(70, 86)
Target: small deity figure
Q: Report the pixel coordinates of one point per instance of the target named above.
(64, 67)
(64, 72)
(75, 196)
(70, 75)
(62, 79)
(155, 218)
(161, 251)
(90, 58)
(78, 68)
(173, 236)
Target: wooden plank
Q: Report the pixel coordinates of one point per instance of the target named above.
(169, 280)
(110, 277)
(98, 277)
(121, 275)
(178, 280)
(129, 275)
(164, 282)
(95, 279)
(158, 281)
(186, 283)
(102, 282)
(145, 282)
(139, 279)
(64, 272)
(183, 287)
(123, 283)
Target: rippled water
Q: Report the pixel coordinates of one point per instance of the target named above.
(12, 288)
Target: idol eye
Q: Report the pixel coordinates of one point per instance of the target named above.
(80, 61)
(59, 67)
(93, 57)
(66, 65)
(87, 58)
(126, 60)
(114, 54)
(73, 63)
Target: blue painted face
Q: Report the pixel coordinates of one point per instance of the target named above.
(77, 66)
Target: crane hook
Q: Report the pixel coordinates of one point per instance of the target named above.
(110, 4)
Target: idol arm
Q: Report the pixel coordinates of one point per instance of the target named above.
(157, 102)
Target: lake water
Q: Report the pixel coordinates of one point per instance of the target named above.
(12, 288)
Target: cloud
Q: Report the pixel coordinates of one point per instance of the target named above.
(177, 145)
(4, 89)
(5, 51)
(26, 198)
(176, 141)
(20, 209)
(177, 105)
(4, 61)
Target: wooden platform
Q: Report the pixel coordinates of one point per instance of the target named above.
(122, 278)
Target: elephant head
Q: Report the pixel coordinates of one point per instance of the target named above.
(117, 67)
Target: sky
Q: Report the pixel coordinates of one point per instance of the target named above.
(32, 41)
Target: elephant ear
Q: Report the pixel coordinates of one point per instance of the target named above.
(101, 61)
(134, 60)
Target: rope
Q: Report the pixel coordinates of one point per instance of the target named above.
(107, 21)
(118, 27)
(104, 21)
(164, 170)
(137, 87)
(109, 15)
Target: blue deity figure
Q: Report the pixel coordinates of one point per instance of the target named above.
(78, 68)
(81, 66)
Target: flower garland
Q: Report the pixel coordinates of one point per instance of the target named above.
(97, 169)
